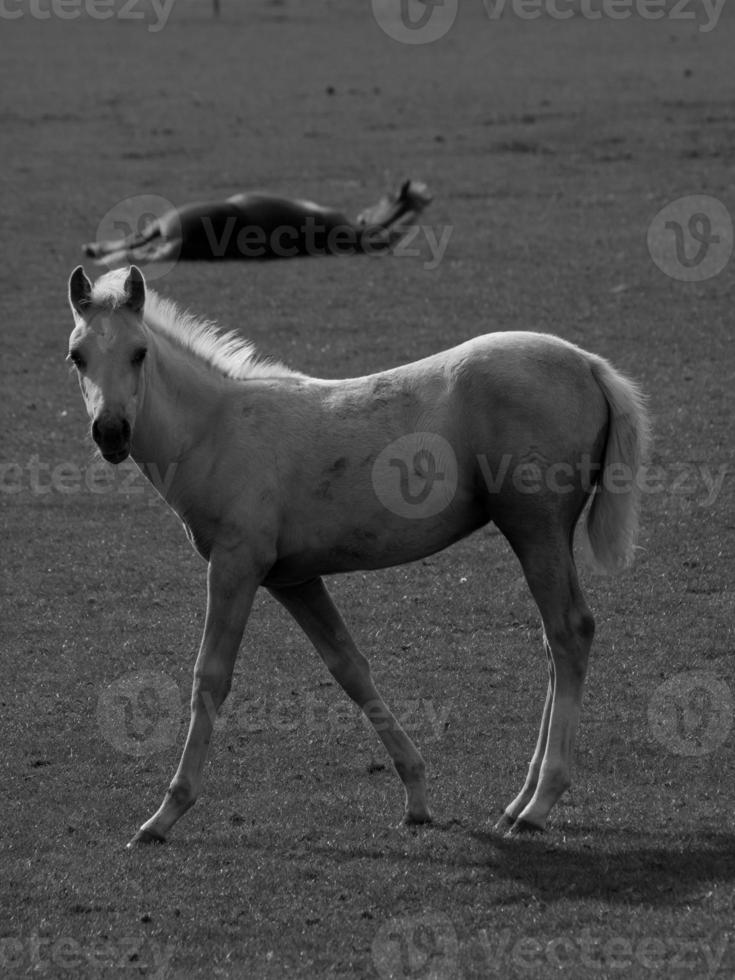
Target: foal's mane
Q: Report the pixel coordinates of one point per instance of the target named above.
(224, 350)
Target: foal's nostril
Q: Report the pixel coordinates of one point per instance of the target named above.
(96, 431)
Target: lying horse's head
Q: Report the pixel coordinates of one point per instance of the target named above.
(108, 346)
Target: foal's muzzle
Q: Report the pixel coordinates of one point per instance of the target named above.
(112, 435)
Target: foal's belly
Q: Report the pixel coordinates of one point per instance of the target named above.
(372, 544)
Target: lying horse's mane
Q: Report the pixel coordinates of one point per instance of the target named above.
(224, 350)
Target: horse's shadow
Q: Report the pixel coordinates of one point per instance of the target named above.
(614, 865)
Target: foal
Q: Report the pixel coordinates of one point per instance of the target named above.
(280, 479)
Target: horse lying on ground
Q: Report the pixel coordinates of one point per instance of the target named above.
(280, 479)
(264, 226)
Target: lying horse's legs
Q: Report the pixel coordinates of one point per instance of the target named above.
(160, 250)
(513, 811)
(311, 606)
(569, 628)
(229, 599)
(106, 249)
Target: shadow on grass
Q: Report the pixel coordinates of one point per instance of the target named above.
(615, 865)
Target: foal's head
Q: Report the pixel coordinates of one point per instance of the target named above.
(108, 346)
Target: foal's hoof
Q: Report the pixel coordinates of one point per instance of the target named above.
(504, 825)
(524, 828)
(146, 837)
(417, 819)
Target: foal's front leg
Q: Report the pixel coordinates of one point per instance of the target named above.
(311, 606)
(230, 593)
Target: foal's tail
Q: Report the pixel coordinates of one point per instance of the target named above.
(612, 520)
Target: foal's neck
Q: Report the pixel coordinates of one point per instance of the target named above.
(180, 397)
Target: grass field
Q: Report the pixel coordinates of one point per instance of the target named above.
(550, 146)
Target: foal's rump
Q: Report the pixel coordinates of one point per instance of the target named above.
(553, 425)
(532, 423)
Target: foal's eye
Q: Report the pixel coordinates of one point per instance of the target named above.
(138, 357)
(76, 359)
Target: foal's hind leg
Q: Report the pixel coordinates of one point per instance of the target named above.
(311, 606)
(569, 628)
(514, 810)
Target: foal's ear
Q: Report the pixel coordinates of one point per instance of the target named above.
(80, 291)
(135, 290)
